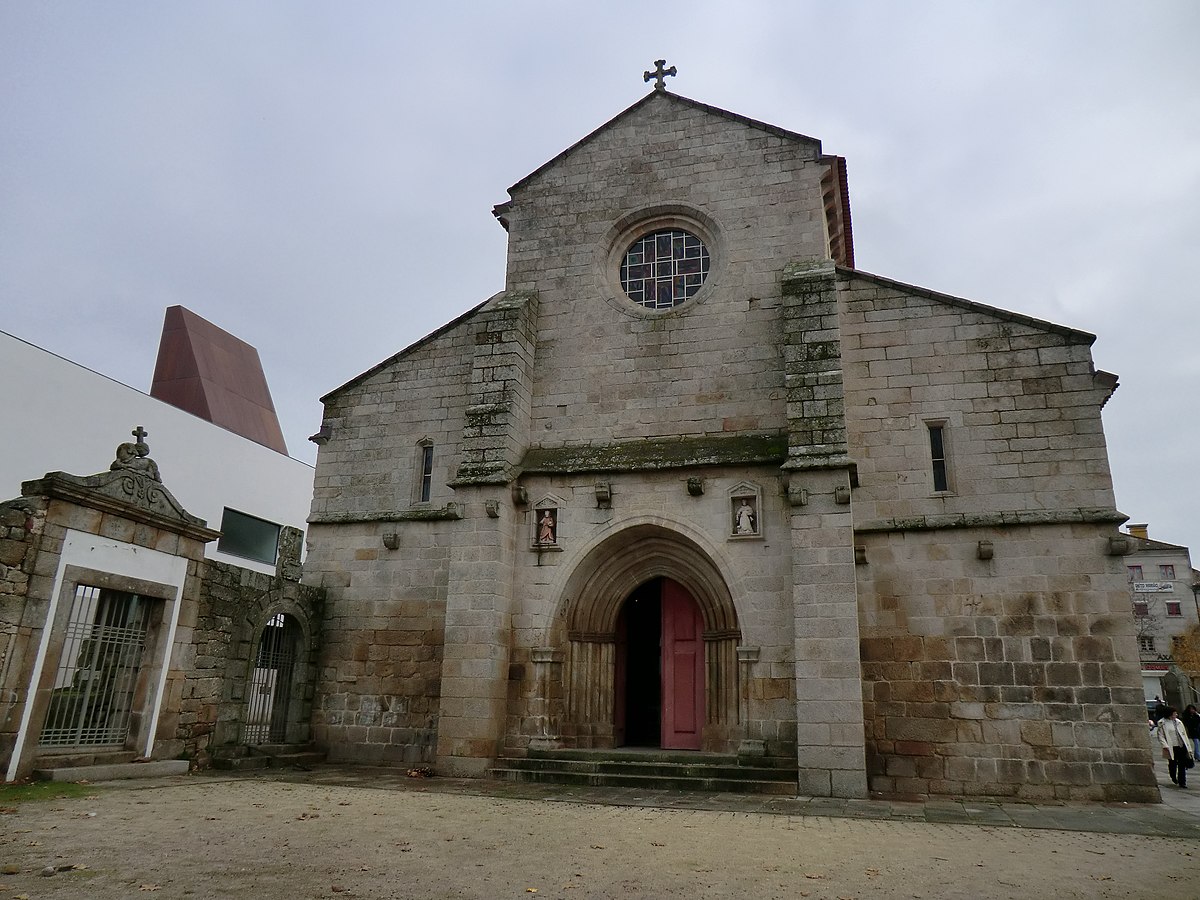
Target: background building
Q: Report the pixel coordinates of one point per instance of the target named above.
(1163, 590)
(150, 607)
(73, 419)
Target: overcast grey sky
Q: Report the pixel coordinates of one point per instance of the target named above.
(318, 178)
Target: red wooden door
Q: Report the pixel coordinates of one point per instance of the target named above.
(682, 669)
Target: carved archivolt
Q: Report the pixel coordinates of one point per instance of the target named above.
(612, 570)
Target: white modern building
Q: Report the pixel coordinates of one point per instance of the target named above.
(73, 419)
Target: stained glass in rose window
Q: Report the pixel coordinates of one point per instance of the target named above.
(664, 268)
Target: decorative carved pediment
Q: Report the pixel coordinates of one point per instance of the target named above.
(131, 488)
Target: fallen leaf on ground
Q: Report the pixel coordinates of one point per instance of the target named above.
(813, 875)
(148, 887)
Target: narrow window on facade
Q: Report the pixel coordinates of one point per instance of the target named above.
(1174, 608)
(1146, 644)
(937, 452)
(248, 537)
(1166, 573)
(1141, 608)
(1135, 573)
(426, 480)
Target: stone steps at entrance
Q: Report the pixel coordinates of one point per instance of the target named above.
(244, 757)
(103, 766)
(652, 770)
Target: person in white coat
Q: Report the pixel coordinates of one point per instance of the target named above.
(1175, 746)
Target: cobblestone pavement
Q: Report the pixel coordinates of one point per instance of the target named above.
(360, 832)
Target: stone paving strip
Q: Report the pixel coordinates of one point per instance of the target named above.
(1178, 816)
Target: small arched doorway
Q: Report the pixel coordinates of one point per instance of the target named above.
(271, 699)
(659, 678)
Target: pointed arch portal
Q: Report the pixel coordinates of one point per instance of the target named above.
(652, 657)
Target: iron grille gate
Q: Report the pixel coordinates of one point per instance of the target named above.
(270, 691)
(97, 672)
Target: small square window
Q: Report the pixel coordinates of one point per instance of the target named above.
(1135, 573)
(1146, 644)
(1166, 573)
(1141, 608)
(1174, 608)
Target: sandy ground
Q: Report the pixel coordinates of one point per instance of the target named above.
(262, 839)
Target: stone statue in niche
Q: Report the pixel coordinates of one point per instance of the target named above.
(547, 526)
(745, 517)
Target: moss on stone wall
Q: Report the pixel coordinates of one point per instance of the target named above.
(656, 454)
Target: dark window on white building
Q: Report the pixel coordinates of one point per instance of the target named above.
(248, 537)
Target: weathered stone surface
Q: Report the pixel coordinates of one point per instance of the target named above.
(857, 630)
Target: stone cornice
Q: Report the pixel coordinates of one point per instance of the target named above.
(449, 513)
(993, 520)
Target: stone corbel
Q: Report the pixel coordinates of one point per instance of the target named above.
(1117, 546)
(603, 495)
(985, 550)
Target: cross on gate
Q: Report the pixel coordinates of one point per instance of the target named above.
(659, 74)
(141, 434)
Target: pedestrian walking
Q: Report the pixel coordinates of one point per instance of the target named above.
(1175, 746)
(1191, 722)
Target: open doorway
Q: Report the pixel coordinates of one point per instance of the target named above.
(659, 679)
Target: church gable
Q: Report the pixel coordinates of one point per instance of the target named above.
(955, 408)
(612, 362)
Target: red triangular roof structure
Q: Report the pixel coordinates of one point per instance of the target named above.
(205, 370)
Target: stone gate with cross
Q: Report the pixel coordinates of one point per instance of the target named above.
(120, 641)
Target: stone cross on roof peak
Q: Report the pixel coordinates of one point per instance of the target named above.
(659, 74)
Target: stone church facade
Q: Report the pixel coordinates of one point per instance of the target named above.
(693, 481)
